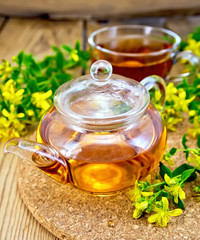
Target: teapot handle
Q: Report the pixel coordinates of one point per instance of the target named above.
(156, 82)
(45, 157)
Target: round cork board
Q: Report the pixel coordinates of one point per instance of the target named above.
(74, 215)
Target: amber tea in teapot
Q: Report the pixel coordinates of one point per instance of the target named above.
(101, 135)
(101, 168)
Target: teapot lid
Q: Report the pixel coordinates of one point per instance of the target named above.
(101, 96)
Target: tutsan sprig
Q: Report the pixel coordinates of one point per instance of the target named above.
(27, 86)
(154, 197)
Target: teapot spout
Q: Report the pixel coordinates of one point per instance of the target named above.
(45, 157)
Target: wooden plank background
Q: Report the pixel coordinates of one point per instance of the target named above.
(36, 36)
(97, 8)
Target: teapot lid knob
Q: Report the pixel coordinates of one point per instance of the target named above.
(101, 71)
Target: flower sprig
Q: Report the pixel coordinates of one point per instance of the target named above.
(153, 197)
(184, 97)
(193, 42)
(27, 86)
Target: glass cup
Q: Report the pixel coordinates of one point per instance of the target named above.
(137, 51)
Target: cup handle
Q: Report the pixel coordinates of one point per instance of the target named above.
(188, 60)
(156, 82)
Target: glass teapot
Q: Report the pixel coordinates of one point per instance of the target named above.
(101, 135)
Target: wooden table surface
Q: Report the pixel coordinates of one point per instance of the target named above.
(37, 36)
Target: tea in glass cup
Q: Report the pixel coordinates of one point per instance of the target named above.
(139, 51)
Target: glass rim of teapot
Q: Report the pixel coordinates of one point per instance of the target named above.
(148, 31)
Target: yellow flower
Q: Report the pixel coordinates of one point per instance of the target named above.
(195, 159)
(158, 95)
(14, 58)
(146, 194)
(74, 55)
(41, 100)
(4, 122)
(171, 91)
(135, 193)
(140, 208)
(10, 124)
(12, 115)
(192, 113)
(193, 46)
(5, 70)
(178, 97)
(168, 160)
(180, 101)
(195, 131)
(174, 188)
(30, 112)
(162, 217)
(157, 100)
(197, 197)
(171, 118)
(196, 189)
(10, 93)
(4, 133)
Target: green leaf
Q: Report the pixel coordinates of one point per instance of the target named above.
(194, 105)
(49, 71)
(55, 49)
(63, 77)
(196, 82)
(164, 170)
(196, 34)
(41, 79)
(198, 141)
(15, 74)
(173, 151)
(20, 57)
(192, 178)
(32, 85)
(179, 170)
(35, 67)
(70, 64)
(45, 63)
(67, 48)
(165, 194)
(59, 60)
(184, 140)
(54, 84)
(186, 174)
(180, 203)
(198, 170)
(27, 59)
(78, 45)
(84, 65)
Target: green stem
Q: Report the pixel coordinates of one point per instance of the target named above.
(43, 83)
(161, 183)
(156, 185)
(187, 149)
(156, 195)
